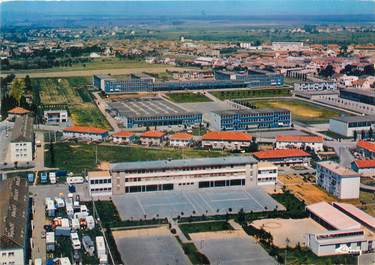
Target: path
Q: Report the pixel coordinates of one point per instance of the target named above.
(101, 104)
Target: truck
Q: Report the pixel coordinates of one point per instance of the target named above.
(75, 180)
(43, 177)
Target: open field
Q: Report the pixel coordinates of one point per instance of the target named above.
(252, 93)
(302, 111)
(204, 227)
(149, 246)
(231, 248)
(80, 156)
(73, 93)
(306, 191)
(292, 229)
(187, 97)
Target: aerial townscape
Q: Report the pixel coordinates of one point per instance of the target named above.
(187, 132)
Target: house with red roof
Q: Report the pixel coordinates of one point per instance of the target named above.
(85, 133)
(364, 167)
(16, 112)
(152, 138)
(181, 139)
(287, 157)
(299, 141)
(123, 137)
(229, 140)
(366, 148)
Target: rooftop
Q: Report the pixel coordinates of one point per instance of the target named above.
(367, 93)
(370, 118)
(183, 163)
(153, 134)
(147, 107)
(299, 138)
(249, 111)
(85, 129)
(123, 134)
(18, 110)
(357, 213)
(333, 216)
(181, 136)
(13, 212)
(338, 169)
(368, 163)
(23, 130)
(370, 146)
(281, 153)
(98, 174)
(226, 136)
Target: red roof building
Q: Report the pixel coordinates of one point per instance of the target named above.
(181, 136)
(369, 163)
(85, 129)
(153, 134)
(284, 156)
(227, 136)
(299, 138)
(123, 134)
(85, 133)
(367, 148)
(18, 111)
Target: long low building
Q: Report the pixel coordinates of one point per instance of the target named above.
(364, 167)
(226, 140)
(346, 125)
(299, 141)
(366, 148)
(247, 119)
(183, 174)
(287, 157)
(151, 112)
(85, 133)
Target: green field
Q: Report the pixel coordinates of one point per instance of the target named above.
(204, 227)
(302, 111)
(188, 97)
(252, 93)
(72, 92)
(78, 157)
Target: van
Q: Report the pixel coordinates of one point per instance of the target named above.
(75, 180)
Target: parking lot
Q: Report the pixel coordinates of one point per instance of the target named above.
(196, 202)
(231, 248)
(156, 246)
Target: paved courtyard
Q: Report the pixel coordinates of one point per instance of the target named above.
(156, 246)
(231, 248)
(196, 202)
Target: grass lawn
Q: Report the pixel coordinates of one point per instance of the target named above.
(193, 254)
(199, 131)
(72, 92)
(188, 97)
(302, 111)
(335, 135)
(204, 227)
(368, 198)
(252, 93)
(78, 157)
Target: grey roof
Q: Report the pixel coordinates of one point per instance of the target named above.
(183, 163)
(249, 111)
(347, 119)
(101, 76)
(23, 130)
(13, 212)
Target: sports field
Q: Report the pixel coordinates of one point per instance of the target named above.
(302, 111)
(73, 93)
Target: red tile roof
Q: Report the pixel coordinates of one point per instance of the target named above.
(153, 134)
(85, 129)
(370, 163)
(226, 136)
(370, 146)
(299, 138)
(280, 153)
(123, 134)
(182, 136)
(18, 110)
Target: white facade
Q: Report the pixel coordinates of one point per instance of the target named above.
(186, 174)
(338, 242)
(11, 256)
(84, 136)
(317, 146)
(122, 140)
(339, 181)
(151, 141)
(21, 151)
(267, 174)
(55, 116)
(287, 46)
(100, 184)
(229, 145)
(346, 126)
(315, 86)
(180, 142)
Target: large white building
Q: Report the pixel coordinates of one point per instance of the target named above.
(56, 117)
(183, 174)
(340, 181)
(287, 46)
(346, 125)
(299, 141)
(181, 140)
(100, 184)
(22, 143)
(315, 86)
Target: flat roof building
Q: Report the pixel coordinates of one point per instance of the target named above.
(346, 125)
(247, 119)
(356, 214)
(299, 141)
(339, 181)
(22, 142)
(100, 184)
(15, 218)
(152, 111)
(284, 156)
(183, 174)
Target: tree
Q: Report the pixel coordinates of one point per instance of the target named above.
(28, 86)
(17, 90)
(363, 134)
(328, 71)
(370, 133)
